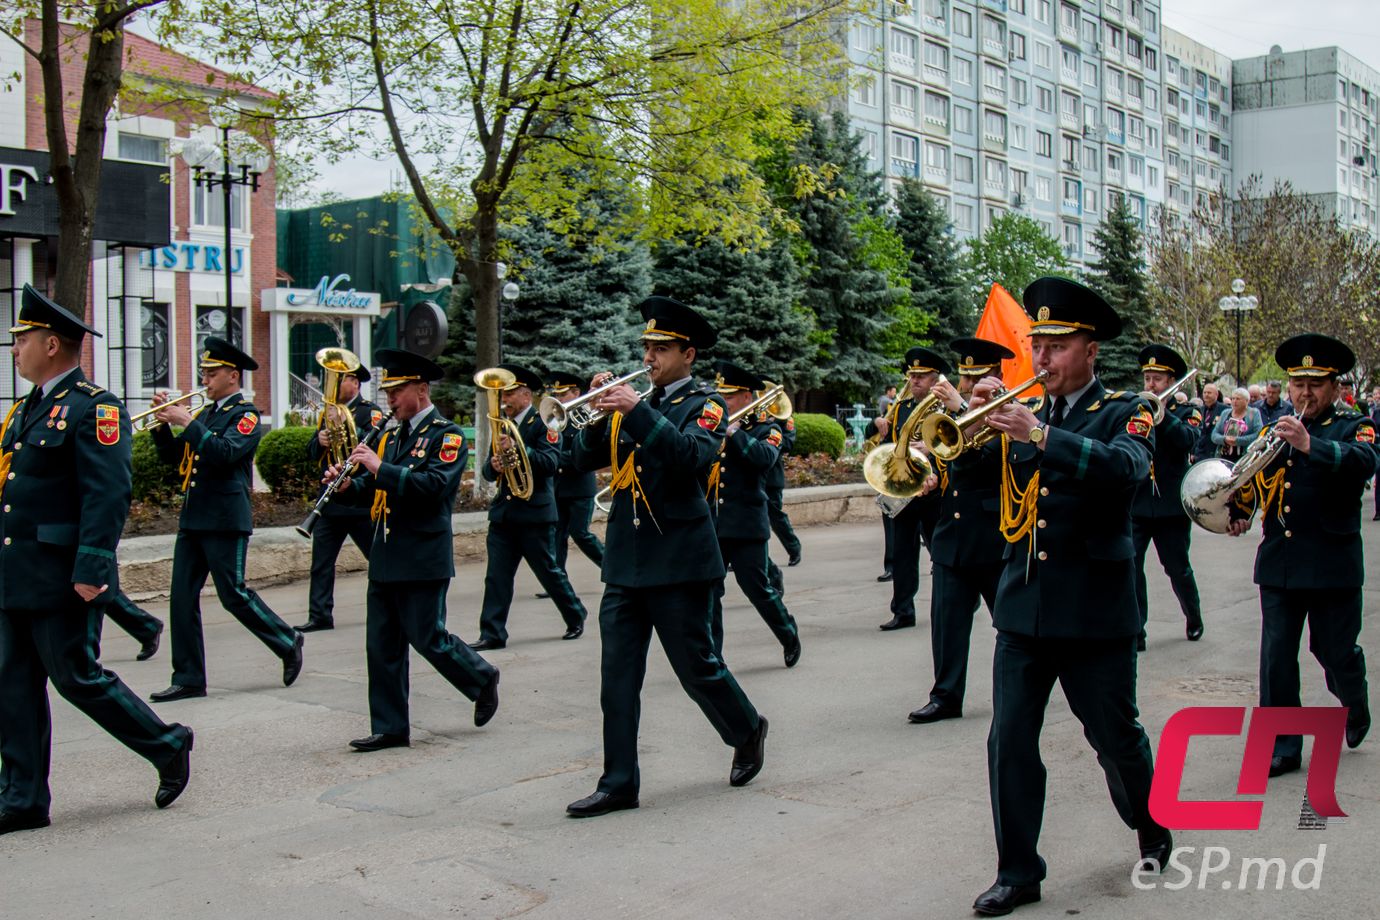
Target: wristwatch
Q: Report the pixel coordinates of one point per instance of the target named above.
(1037, 434)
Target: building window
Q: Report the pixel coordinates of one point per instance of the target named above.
(1072, 193)
(865, 37)
(1089, 33)
(1068, 18)
(1151, 60)
(1016, 6)
(1020, 181)
(937, 109)
(1090, 158)
(219, 322)
(1090, 200)
(905, 47)
(963, 168)
(994, 79)
(904, 101)
(1152, 176)
(1044, 143)
(1044, 188)
(993, 33)
(994, 127)
(1019, 138)
(1152, 99)
(208, 206)
(1017, 47)
(937, 160)
(963, 23)
(156, 339)
(994, 173)
(1044, 99)
(143, 149)
(937, 61)
(1044, 12)
(865, 91)
(1073, 238)
(1137, 166)
(963, 72)
(1020, 91)
(1068, 149)
(963, 119)
(905, 155)
(937, 10)
(963, 217)
(1089, 73)
(1044, 56)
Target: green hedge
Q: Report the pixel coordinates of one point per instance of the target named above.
(154, 480)
(817, 434)
(284, 464)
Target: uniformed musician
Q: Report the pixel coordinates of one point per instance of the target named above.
(776, 507)
(913, 525)
(146, 628)
(738, 498)
(524, 528)
(413, 475)
(1309, 566)
(344, 516)
(575, 488)
(967, 549)
(1157, 513)
(215, 454)
(65, 475)
(1066, 604)
(661, 556)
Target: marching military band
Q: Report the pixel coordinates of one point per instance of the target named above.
(1030, 502)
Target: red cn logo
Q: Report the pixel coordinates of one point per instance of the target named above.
(1327, 725)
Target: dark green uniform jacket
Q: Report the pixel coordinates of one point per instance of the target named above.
(571, 481)
(420, 476)
(673, 447)
(750, 454)
(967, 531)
(927, 505)
(1081, 581)
(1175, 438)
(544, 456)
(222, 443)
(53, 535)
(350, 504)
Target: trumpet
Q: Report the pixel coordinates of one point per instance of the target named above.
(897, 472)
(1162, 401)
(517, 469)
(945, 436)
(580, 412)
(146, 420)
(773, 400)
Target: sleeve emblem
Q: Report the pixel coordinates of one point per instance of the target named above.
(711, 415)
(248, 422)
(1195, 418)
(1365, 433)
(1140, 423)
(553, 436)
(450, 447)
(790, 424)
(375, 417)
(774, 438)
(108, 425)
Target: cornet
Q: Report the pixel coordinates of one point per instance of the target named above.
(580, 412)
(945, 436)
(773, 400)
(146, 421)
(1162, 401)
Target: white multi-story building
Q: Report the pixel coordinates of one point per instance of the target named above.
(1197, 123)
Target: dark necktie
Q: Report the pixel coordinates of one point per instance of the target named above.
(404, 432)
(1061, 409)
(658, 393)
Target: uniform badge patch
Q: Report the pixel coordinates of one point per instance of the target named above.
(450, 447)
(1365, 433)
(1195, 418)
(774, 438)
(553, 436)
(1140, 423)
(790, 424)
(711, 415)
(108, 425)
(375, 417)
(248, 422)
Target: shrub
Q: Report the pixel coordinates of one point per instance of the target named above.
(154, 481)
(284, 464)
(817, 434)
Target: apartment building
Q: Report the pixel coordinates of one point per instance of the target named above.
(1197, 123)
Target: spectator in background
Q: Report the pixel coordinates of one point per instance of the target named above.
(1213, 407)
(1256, 394)
(885, 400)
(1238, 427)
(1348, 395)
(1274, 405)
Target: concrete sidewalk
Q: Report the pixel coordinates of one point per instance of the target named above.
(856, 815)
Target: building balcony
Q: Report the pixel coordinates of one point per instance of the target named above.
(995, 190)
(937, 174)
(1171, 139)
(935, 26)
(1114, 176)
(936, 77)
(1070, 208)
(993, 95)
(903, 116)
(1115, 137)
(1068, 120)
(1068, 77)
(1112, 93)
(902, 63)
(935, 126)
(1068, 34)
(994, 142)
(1069, 165)
(994, 48)
(903, 167)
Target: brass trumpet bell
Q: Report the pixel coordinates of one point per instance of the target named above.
(335, 419)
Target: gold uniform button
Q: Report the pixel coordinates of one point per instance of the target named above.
(18, 444)
(639, 469)
(1288, 485)
(7, 509)
(11, 476)
(1288, 463)
(7, 541)
(1044, 490)
(1042, 555)
(1288, 533)
(1286, 509)
(956, 515)
(954, 493)
(1040, 523)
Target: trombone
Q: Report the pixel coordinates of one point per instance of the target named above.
(517, 469)
(1162, 401)
(580, 412)
(145, 421)
(897, 472)
(945, 436)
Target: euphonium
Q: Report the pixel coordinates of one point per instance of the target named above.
(336, 420)
(580, 412)
(517, 469)
(1210, 486)
(897, 472)
(945, 437)
(1162, 401)
(139, 423)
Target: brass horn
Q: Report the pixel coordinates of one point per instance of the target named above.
(945, 436)
(336, 420)
(145, 420)
(773, 400)
(1162, 401)
(517, 469)
(580, 412)
(895, 471)
(1209, 487)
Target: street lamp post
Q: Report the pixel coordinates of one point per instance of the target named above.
(1238, 305)
(509, 292)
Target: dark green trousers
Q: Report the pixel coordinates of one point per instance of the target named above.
(327, 537)
(508, 545)
(781, 521)
(1171, 537)
(221, 555)
(572, 523)
(63, 646)
(132, 618)
(402, 614)
(953, 601)
(749, 561)
(679, 614)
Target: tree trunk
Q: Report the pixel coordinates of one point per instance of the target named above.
(482, 275)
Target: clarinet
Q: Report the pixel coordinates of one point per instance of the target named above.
(309, 523)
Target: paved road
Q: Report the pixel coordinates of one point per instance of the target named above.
(857, 814)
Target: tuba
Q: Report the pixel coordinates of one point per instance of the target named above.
(945, 437)
(336, 419)
(897, 472)
(517, 469)
(1210, 486)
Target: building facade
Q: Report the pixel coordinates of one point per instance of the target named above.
(1197, 123)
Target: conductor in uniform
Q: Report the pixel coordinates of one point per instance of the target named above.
(1157, 513)
(413, 475)
(344, 516)
(968, 550)
(65, 475)
(524, 528)
(914, 524)
(1066, 604)
(661, 557)
(738, 499)
(575, 488)
(215, 455)
(1309, 566)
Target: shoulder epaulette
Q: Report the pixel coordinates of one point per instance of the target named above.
(88, 388)
(1117, 394)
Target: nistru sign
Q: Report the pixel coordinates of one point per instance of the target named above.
(329, 296)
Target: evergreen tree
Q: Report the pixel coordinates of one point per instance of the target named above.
(935, 271)
(1119, 275)
(752, 298)
(1013, 252)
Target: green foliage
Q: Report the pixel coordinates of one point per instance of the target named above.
(1013, 252)
(817, 434)
(283, 462)
(154, 481)
(934, 268)
(1119, 276)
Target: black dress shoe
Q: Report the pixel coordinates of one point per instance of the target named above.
(541, 596)
(792, 652)
(1140, 643)
(11, 821)
(380, 742)
(149, 647)
(1281, 765)
(487, 645)
(1194, 629)
(794, 559)
(885, 576)
(1000, 899)
(934, 712)
(1357, 724)
(292, 664)
(173, 778)
(1155, 847)
(315, 626)
(600, 803)
(487, 704)
(177, 692)
(575, 631)
(747, 759)
(898, 623)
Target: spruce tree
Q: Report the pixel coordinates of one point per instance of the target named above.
(1119, 276)
(936, 279)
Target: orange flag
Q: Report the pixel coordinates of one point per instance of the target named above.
(1004, 321)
